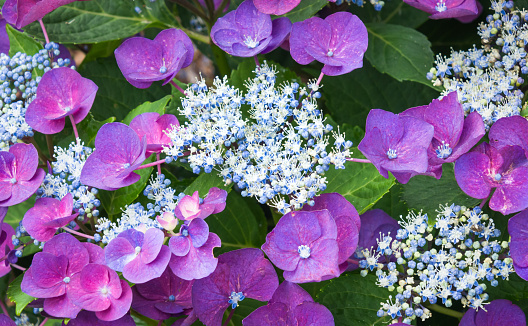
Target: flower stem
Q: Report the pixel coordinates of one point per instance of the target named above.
(44, 321)
(177, 87)
(4, 308)
(42, 156)
(358, 160)
(150, 164)
(75, 132)
(49, 143)
(256, 60)
(319, 79)
(159, 166)
(44, 31)
(221, 60)
(18, 267)
(229, 317)
(77, 233)
(444, 310)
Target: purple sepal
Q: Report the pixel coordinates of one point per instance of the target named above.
(163, 297)
(151, 126)
(6, 247)
(276, 7)
(198, 262)
(88, 318)
(281, 28)
(62, 92)
(6, 321)
(47, 216)
(518, 230)
(509, 131)
(140, 256)
(118, 152)
(143, 61)
(339, 42)
(244, 270)
(304, 245)
(446, 9)
(23, 12)
(498, 312)
(189, 207)
(19, 174)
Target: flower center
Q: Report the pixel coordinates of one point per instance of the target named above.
(498, 177)
(137, 249)
(304, 251)
(391, 154)
(250, 42)
(185, 232)
(330, 53)
(440, 6)
(126, 165)
(66, 109)
(443, 151)
(163, 70)
(172, 298)
(104, 290)
(66, 280)
(13, 181)
(234, 298)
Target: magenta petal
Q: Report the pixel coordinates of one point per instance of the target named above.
(280, 31)
(472, 132)
(65, 244)
(322, 264)
(168, 38)
(61, 307)
(311, 313)
(26, 160)
(151, 126)
(119, 306)
(217, 199)
(291, 295)
(152, 243)
(180, 245)
(517, 228)
(509, 131)
(5, 320)
(95, 253)
(199, 262)
(136, 271)
(275, 314)
(275, 7)
(146, 307)
(88, 318)
(118, 253)
(23, 12)
(85, 290)
(512, 195)
(447, 117)
(307, 34)
(198, 231)
(45, 280)
(470, 174)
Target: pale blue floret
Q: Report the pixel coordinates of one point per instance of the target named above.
(235, 298)
(443, 151)
(304, 251)
(391, 154)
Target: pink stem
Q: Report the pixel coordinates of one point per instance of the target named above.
(4, 308)
(18, 267)
(159, 166)
(160, 323)
(229, 317)
(358, 160)
(319, 79)
(44, 31)
(44, 321)
(75, 132)
(178, 87)
(256, 60)
(353, 261)
(150, 164)
(5, 257)
(77, 233)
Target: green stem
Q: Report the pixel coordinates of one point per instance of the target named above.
(49, 142)
(444, 310)
(220, 60)
(196, 36)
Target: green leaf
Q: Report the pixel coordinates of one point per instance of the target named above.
(246, 307)
(393, 12)
(399, 51)
(305, 10)
(241, 225)
(158, 107)
(113, 201)
(16, 213)
(360, 183)
(87, 129)
(354, 300)
(514, 289)
(427, 193)
(15, 294)
(350, 97)
(102, 20)
(116, 97)
(206, 181)
(101, 50)
(21, 42)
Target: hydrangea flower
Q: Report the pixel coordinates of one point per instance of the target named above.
(119, 151)
(246, 32)
(6, 246)
(167, 221)
(140, 256)
(189, 207)
(518, 228)
(505, 169)
(240, 274)
(20, 13)
(290, 305)
(304, 245)
(19, 174)
(497, 313)
(143, 61)
(85, 318)
(453, 135)
(163, 297)
(152, 126)
(47, 216)
(510, 131)
(52, 270)
(339, 42)
(61, 92)
(347, 221)
(98, 288)
(442, 9)
(397, 144)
